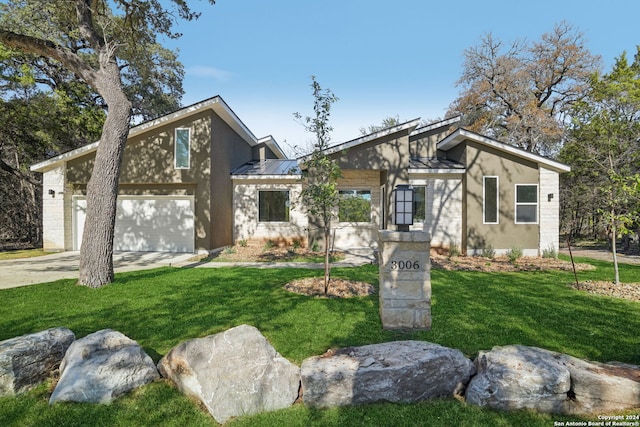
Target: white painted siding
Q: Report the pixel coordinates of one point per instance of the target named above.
(53, 209)
(549, 210)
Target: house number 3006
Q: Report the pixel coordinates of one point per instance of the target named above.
(405, 265)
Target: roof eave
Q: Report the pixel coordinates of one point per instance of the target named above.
(217, 104)
(460, 135)
(436, 171)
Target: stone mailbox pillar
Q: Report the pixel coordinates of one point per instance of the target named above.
(405, 279)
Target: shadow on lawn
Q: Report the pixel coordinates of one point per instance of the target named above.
(471, 311)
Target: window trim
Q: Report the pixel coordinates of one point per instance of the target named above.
(484, 198)
(340, 190)
(175, 149)
(287, 205)
(516, 204)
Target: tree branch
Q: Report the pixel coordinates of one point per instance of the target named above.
(47, 48)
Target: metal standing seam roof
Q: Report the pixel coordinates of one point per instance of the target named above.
(269, 167)
(435, 163)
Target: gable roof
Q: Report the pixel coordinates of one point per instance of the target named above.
(461, 135)
(407, 126)
(216, 104)
(435, 125)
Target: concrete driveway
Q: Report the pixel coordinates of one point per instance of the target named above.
(64, 265)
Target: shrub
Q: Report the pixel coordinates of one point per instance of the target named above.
(454, 250)
(269, 244)
(550, 252)
(315, 247)
(243, 243)
(513, 254)
(297, 244)
(229, 250)
(488, 252)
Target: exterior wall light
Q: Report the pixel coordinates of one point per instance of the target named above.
(52, 193)
(403, 207)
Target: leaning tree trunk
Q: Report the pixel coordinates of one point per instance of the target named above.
(96, 252)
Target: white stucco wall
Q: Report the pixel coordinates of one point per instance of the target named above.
(549, 210)
(443, 209)
(53, 209)
(245, 210)
(360, 234)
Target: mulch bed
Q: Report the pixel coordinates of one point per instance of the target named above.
(338, 288)
(630, 291)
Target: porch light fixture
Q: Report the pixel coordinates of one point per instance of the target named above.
(52, 193)
(403, 207)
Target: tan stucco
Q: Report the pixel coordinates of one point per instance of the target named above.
(148, 169)
(482, 161)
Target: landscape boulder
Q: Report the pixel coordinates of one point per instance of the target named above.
(402, 371)
(236, 372)
(102, 366)
(519, 377)
(28, 360)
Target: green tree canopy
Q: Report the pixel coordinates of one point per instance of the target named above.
(113, 47)
(603, 149)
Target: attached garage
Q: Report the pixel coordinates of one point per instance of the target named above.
(145, 223)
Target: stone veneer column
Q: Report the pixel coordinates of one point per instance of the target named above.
(405, 279)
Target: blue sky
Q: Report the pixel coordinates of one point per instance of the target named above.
(381, 58)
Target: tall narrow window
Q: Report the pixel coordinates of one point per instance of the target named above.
(273, 206)
(354, 206)
(419, 203)
(182, 148)
(490, 200)
(526, 204)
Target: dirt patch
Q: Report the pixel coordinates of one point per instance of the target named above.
(502, 263)
(630, 291)
(338, 288)
(254, 252)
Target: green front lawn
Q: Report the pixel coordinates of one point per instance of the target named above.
(161, 308)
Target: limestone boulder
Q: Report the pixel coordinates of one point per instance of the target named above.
(402, 371)
(233, 373)
(28, 360)
(519, 377)
(102, 366)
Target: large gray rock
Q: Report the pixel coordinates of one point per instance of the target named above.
(28, 360)
(236, 372)
(102, 366)
(403, 371)
(519, 377)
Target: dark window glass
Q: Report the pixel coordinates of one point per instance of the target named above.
(490, 200)
(273, 206)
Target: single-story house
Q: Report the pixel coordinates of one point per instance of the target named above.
(197, 180)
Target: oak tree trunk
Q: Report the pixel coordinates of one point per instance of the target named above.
(96, 253)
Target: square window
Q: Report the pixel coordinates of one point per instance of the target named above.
(354, 206)
(273, 206)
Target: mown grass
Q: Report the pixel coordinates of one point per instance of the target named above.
(161, 308)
